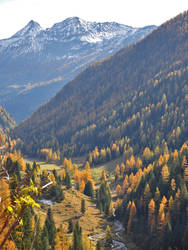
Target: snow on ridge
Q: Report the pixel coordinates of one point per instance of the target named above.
(31, 29)
(98, 36)
(91, 39)
(33, 39)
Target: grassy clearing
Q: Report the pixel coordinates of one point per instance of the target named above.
(44, 165)
(48, 166)
(92, 222)
(108, 167)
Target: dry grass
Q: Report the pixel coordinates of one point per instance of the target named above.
(92, 221)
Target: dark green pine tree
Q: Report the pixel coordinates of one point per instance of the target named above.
(70, 226)
(45, 239)
(67, 180)
(27, 230)
(77, 237)
(34, 165)
(33, 179)
(45, 244)
(37, 234)
(28, 168)
(89, 189)
(83, 208)
(56, 193)
(17, 170)
(8, 164)
(57, 178)
(103, 197)
(49, 226)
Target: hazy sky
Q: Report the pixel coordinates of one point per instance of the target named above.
(15, 14)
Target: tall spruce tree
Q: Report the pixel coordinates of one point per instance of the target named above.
(77, 237)
(37, 234)
(88, 190)
(49, 226)
(70, 226)
(83, 208)
(27, 230)
(45, 239)
(67, 180)
(103, 197)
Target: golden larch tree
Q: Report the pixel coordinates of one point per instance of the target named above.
(173, 184)
(122, 168)
(184, 163)
(161, 218)
(5, 221)
(118, 190)
(171, 203)
(157, 195)
(151, 215)
(132, 161)
(117, 170)
(61, 241)
(125, 183)
(82, 186)
(138, 163)
(175, 155)
(165, 174)
(132, 217)
(147, 193)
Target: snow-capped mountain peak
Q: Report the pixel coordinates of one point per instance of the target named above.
(31, 29)
(90, 32)
(35, 60)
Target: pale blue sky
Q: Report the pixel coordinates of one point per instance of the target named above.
(15, 14)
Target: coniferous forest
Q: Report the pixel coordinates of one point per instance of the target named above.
(113, 150)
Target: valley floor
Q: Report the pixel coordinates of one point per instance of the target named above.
(92, 221)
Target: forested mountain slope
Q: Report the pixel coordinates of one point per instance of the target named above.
(6, 122)
(36, 63)
(140, 92)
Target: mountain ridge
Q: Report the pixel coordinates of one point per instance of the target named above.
(33, 56)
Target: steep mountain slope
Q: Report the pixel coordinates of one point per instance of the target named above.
(6, 122)
(140, 92)
(36, 63)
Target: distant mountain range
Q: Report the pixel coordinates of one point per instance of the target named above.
(140, 92)
(36, 63)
